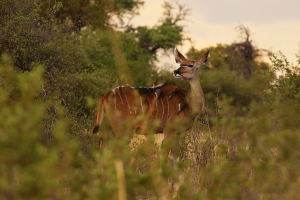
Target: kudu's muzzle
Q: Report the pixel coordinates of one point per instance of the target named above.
(176, 72)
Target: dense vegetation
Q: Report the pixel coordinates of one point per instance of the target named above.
(59, 58)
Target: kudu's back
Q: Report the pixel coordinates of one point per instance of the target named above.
(162, 103)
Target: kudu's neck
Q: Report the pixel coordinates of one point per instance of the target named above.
(196, 96)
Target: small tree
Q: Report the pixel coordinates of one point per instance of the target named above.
(241, 57)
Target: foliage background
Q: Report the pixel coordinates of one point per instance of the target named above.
(55, 66)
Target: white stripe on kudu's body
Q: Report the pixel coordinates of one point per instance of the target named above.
(120, 95)
(163, 108)
(142, 103)
(191, 103)
(126, 100)
(168, 103)
(149, 105)
(155, 102)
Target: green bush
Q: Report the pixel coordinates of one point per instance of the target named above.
(78, 68)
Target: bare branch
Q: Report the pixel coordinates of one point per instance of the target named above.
(171, 17)
(127, 25)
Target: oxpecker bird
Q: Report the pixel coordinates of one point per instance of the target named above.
(154, 84)
(157, 93)
(172, 93)
(181, 106)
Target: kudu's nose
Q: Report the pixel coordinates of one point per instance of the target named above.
(176, 72)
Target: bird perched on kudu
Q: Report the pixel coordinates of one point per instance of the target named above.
(181, 106)
(157, 93)
(172, 93)
(154, 84)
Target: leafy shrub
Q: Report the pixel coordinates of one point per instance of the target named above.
(76, 68)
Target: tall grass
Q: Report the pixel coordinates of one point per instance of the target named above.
(251, 156)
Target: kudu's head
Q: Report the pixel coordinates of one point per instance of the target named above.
(188, 68)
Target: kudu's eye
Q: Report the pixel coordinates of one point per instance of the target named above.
(191, 65)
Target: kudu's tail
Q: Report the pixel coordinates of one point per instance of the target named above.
(101, 105)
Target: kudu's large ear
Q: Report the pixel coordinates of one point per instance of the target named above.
(203, 58)
(179, 58)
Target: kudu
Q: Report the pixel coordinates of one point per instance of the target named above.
(164, 102)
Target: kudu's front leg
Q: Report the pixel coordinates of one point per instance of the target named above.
(170, 143)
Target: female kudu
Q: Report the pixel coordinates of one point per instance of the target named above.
(174, 107)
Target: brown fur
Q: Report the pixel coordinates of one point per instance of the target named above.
(130, 105)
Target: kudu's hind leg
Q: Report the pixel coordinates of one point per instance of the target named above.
(103, 140)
